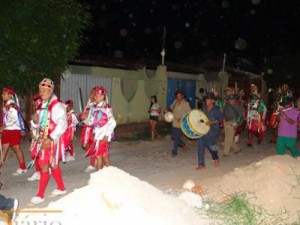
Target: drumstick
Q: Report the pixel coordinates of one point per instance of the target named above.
(202, 121)
(284, 110)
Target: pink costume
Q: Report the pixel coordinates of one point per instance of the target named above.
(103, 122)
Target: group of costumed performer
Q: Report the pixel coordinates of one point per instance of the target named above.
(101, 119)
(50, 125)
(256, 114)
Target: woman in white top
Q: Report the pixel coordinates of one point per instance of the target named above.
(154, 111)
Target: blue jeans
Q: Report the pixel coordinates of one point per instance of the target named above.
(176, 136)
(202, 144)
(6, 203)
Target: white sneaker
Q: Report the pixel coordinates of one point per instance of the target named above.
(36, 200)
(19, 172)
(57, 192)
(70, 158)
(35, 176)
(89, 169)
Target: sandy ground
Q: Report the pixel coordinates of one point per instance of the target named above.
(149, 161)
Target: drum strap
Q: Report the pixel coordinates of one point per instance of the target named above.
(238, 115)
(174, 106)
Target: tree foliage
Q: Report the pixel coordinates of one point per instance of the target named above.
(37, 38)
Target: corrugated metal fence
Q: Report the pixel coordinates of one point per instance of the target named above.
(70, 84)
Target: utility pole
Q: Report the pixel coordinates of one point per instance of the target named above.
(163, 52)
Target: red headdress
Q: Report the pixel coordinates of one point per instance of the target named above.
(9, 90)
(69, 103)
(100, 90)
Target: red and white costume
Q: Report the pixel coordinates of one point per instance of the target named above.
(12, 130)
(72, 124)
(86, 138)
(256, 119)
(103, 122)
(52, 123)
(33, 122)
(34, 135)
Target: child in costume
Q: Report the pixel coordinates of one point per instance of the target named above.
(72, 124)
(86, 138)
(34, 135)
(102, 119)
(12, 128)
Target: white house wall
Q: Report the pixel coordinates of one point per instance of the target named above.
(129, 91)
(70, 84)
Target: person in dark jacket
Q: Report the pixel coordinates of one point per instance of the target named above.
(209, 140)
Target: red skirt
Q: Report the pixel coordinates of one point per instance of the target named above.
(86, 135)
(98, 148)
(68, 136)
(12, 137)
(48, 156)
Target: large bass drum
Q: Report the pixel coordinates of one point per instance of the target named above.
(193, 124)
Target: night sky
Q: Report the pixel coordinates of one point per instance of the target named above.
(195, 29)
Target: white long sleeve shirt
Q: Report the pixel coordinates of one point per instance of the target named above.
(10, 117)
(58, 116)
(108, 128)
(74, 122)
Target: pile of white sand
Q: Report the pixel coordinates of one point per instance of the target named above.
(115, 197)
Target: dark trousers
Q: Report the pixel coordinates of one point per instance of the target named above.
(6, 203)
(176, 136)
(202, 145)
